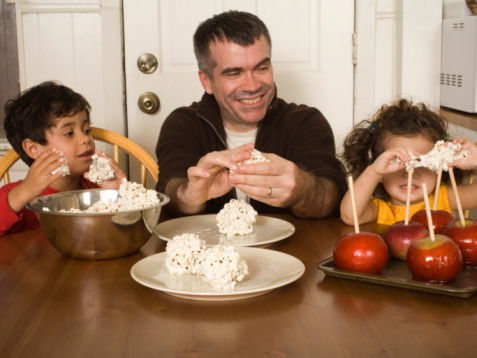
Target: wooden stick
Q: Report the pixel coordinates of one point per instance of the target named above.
(353, 204)
(408, 197)
(428, 213)
(438, 184)
(457, 199)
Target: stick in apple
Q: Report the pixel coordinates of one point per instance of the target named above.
(428, 212)
(438, 184)
(408, 197)
(353, 204)
(457, 198)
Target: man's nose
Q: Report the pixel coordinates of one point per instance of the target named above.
(250, 83)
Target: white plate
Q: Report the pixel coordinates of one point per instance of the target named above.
(268, 270)
(266, 230)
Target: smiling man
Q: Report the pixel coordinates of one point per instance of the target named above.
(200, 146)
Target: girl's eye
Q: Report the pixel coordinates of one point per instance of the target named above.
(87, 131)
(69, 134)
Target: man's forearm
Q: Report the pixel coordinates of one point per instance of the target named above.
(177, 205)
(319, 197)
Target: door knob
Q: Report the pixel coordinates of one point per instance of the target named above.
(147, 63)
(149, 103)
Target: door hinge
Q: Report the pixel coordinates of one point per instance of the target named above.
(355, 48)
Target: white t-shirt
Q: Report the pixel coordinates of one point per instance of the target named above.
(235, 140)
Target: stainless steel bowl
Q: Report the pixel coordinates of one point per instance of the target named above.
(95, 236)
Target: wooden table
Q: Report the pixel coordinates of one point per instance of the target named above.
(53, 306)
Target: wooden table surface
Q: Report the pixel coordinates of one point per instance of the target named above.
(53, 306)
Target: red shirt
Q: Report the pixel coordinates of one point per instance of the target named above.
(12, 223)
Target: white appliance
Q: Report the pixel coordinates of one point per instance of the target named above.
(459, 64)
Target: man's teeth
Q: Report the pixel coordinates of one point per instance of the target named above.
(251, 101)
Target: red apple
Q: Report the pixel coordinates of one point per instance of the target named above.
(440, 218)
(437, 261)
(466, 238)
(363, 252)
(399, 237)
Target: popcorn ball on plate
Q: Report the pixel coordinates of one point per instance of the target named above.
(100, 170)
(182, 254)
(236, 218)
(222, 267)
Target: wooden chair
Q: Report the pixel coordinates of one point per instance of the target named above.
(116, 140)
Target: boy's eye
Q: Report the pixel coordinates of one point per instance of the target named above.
(87, 131)
(69, 134)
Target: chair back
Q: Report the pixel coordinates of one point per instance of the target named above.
(148, 164)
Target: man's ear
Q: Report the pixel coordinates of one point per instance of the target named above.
(31, 148)
(205, 81)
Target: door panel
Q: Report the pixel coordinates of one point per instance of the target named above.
(311, 55)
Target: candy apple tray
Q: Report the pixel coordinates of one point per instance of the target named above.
(397, 274)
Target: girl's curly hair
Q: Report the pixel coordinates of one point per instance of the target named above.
(403, 118)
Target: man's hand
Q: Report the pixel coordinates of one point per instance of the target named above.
(207, 180)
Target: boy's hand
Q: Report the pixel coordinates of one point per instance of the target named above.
(38, 178)
(119, 174)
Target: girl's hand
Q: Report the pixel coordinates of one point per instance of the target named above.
(386, 163)
(470, 163)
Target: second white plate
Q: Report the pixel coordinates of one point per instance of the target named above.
(266, 230)
(268, 270)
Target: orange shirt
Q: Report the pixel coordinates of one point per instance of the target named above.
(388, 214)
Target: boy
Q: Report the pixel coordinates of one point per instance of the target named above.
(48, 125)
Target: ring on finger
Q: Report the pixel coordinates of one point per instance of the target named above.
(269, 192)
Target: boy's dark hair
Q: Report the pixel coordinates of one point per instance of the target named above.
(35, 110)
(403, 118)
(238, 27)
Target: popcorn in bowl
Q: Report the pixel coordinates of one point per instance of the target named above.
(100, 170)
(132, 196)
(236, 218)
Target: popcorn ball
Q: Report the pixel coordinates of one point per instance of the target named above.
(222, 267)
(440, 154)
(63, 167)
(236, 218)
(100, 170)
(182, 254)
(257, 157)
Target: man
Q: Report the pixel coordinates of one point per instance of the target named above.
(200, 146)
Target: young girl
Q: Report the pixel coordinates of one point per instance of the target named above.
(47, 125)
(380, 182)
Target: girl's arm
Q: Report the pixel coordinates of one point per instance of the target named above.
(366, 183)
(467, 193)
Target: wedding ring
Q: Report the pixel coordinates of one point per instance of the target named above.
(269, 192)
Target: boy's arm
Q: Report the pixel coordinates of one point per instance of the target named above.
(38, 178)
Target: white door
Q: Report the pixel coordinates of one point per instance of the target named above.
(311, 56)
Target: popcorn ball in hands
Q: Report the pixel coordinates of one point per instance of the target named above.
(222, 267)
(63, 167)
(257, 157)
(182, 254)
(100, 170)
(236, 218)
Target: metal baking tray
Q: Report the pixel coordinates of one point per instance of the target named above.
(397, 274)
